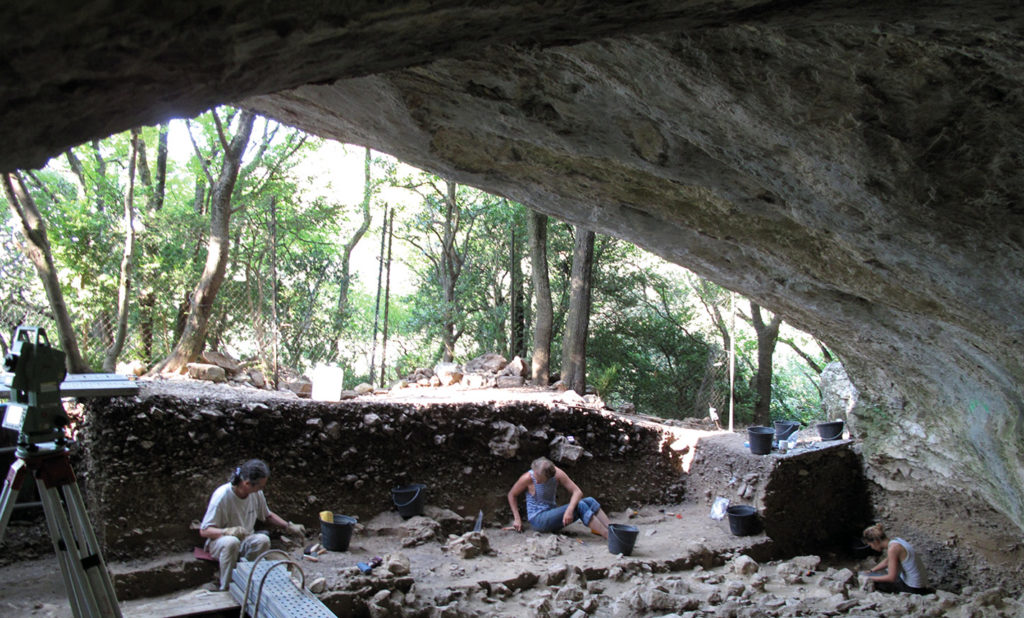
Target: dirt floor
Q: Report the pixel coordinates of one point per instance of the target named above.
(684, 562)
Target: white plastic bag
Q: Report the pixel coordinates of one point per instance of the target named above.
(719, 507)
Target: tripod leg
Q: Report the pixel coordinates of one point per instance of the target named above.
(12, 485)
(96, 568)
(73, 581)
(89, 586)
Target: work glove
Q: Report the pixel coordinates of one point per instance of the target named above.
(295, 529)
(236, 531)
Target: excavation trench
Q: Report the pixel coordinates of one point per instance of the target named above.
(148, 464)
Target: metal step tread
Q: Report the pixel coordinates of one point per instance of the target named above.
(281, 598)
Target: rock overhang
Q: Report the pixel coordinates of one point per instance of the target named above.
(855, 169)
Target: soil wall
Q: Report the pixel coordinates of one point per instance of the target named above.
(151, 462)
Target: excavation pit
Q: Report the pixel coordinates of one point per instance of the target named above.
(661, 477)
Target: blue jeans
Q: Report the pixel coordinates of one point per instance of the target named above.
(551, 519)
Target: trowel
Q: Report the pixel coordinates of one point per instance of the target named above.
(479, 521)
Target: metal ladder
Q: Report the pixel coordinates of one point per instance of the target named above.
(264, 588)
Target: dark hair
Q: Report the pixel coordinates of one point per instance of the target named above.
(252, 470)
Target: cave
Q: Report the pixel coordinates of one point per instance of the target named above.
(855, 169)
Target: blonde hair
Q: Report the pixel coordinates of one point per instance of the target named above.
(875, 533)
(543, 466)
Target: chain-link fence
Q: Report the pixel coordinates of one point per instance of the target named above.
(710, 394)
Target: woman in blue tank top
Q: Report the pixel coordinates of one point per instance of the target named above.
(541, 484)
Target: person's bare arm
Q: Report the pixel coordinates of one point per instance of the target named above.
(891, 564)
(277, 520)
(513, 499)
(575, 495)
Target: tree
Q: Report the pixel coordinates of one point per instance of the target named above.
(538, 231)
(574, 348)
(345, 279)
(37, 249)
(127, 262)
(767, 334)
(193, 338)
(440, 232)
(155, 183)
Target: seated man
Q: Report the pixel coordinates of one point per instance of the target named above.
(230, 520)
(541, 486)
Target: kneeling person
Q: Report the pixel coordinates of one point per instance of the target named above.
(230, 521)
(541, 486)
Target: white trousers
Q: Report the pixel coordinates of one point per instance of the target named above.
(227, 548)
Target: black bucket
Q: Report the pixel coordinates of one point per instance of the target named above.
(830, 431)
(860, 550)
(336, 535)
(621, 538)
(742, 520)
(409, 499)
(760, 439)
(784, 429)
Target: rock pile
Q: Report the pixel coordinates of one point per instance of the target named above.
(742, 587)
(485, 371)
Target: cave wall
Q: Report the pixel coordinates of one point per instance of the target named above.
(860, 181)
(854, 168)
(151, 462)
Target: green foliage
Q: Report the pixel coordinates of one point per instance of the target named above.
(656, 333)
(795, 394)
(639, 342)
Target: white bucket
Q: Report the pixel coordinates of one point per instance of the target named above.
(327, 383)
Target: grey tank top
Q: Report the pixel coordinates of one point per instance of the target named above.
(543, 497)
(911, 570)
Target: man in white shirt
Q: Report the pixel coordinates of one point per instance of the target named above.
(230, 521)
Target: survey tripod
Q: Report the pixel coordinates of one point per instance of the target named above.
(35, 411)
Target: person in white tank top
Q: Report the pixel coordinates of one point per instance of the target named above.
(901, 568)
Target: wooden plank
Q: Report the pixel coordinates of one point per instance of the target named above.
(177, 606)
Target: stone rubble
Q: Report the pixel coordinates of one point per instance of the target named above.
(741, 587)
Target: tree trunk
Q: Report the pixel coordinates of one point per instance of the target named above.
(451, 267)
(156, 187)
(217, 248)
(767, 335)
(516, 313)
(387, 302)
(341, 315)
(376, 307)
(574, 352)
(276, 328)
(538, 229)
(127, 260)
(37, 249)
